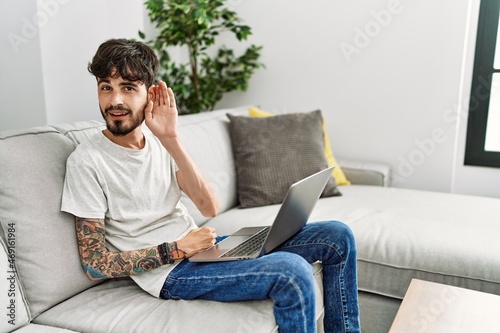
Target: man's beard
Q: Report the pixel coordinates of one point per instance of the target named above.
(119, 127)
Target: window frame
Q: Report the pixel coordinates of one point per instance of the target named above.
(475, 153)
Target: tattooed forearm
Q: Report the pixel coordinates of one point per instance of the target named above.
(99, 263)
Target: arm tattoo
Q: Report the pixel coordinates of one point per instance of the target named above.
(99, 263)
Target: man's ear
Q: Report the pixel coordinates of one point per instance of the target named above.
(151, 93)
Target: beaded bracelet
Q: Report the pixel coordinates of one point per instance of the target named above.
(169, 253)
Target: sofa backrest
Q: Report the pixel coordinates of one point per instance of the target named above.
(207, 139)
(80, 131)
(32, 168)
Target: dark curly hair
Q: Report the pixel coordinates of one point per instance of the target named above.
(132, 60)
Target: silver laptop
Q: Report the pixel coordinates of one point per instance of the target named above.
(253, 242)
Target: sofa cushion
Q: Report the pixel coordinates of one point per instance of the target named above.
(274, 152)
(119, 305)
(206, 138)
(11, 293)
(338, 174)
(32, 167)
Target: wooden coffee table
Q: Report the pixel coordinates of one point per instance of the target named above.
(432, 307)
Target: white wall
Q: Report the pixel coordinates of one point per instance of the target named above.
(44, 71)
(471, 179)
(68, 44)
(387, 75)
(21, 80)
(391, 76)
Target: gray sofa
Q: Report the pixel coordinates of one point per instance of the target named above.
(401, 234)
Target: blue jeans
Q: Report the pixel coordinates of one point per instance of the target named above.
(285, 275)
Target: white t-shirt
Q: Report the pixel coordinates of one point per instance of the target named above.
(134, 191)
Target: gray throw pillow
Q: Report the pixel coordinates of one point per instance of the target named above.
(272, 153)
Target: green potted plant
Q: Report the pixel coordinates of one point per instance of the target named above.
(200, 82)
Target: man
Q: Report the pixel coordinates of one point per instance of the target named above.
(124, 187)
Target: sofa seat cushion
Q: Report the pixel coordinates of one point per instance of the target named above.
(34, 328)
(403, 234)
(121, 306)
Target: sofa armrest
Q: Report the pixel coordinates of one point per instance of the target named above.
(366, 173)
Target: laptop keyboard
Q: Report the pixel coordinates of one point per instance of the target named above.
(250, 246)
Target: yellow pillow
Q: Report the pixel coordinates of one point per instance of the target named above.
(338, 174)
